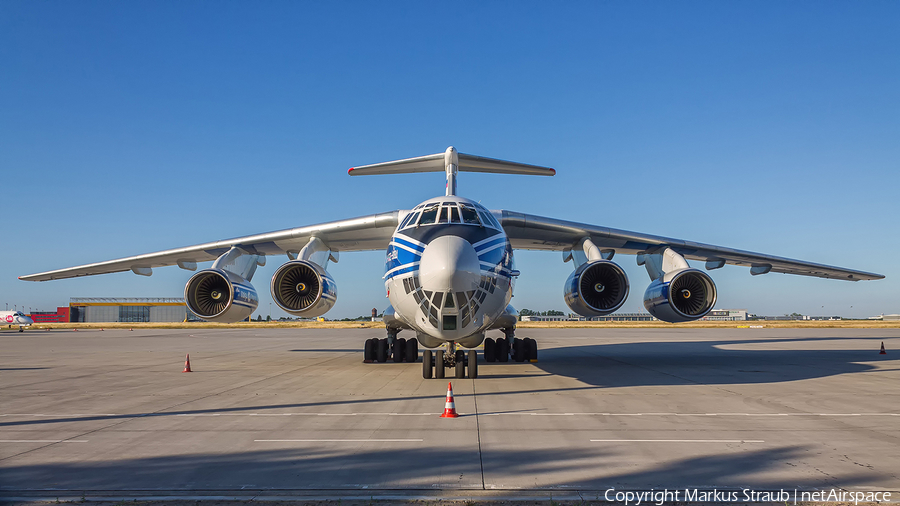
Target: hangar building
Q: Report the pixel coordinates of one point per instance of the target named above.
(127, 309)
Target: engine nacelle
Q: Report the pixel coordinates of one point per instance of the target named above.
(220, 296)
(596, 288)
(681, 296)
(303, 288)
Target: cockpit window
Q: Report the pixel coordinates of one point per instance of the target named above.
(469, 215)
(449, 212)
(429, 215)
(485, 219)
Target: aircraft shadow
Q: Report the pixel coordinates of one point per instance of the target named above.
(331, 467)
(701, 362)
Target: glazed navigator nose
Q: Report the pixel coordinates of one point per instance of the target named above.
(449, 263)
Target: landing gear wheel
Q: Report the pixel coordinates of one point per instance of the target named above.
(503, 350)
(399, 350)
(427, 366)
(531, 347)
(369, 351)
(460, 358)
(412, 350)
(381, 350)
(460, 369)
(473, 364)
(519, 351)
(439, 364)
(490, 350)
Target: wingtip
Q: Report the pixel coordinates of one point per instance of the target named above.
(350, 171)
(552, 172)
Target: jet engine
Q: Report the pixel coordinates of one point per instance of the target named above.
(302, 288)
(596, 288)
(681, 296)
(220, 296)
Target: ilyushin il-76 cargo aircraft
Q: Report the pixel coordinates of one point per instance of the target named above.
(449, 271)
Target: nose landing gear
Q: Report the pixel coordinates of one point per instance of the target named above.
(464, 364)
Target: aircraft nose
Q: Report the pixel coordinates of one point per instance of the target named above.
(449, 263)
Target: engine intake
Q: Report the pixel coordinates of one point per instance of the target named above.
(681, 296)
(302, 288)
(220, 296)
(596, 288)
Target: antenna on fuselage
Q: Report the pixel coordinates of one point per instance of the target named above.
(451, 162)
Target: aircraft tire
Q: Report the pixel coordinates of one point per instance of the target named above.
(412, 350)
(473, 364)
(503, 351)
(381, 351)
(519, 351)
(399, 350)
(427, 366)
(490, 350)
(531, 347)
(369, 350)
(439, 364)
(460, 370)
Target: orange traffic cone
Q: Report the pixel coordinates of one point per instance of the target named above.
(882, 352)
(187, 363)
(450, 406)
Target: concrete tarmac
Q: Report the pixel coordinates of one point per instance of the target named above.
(296, 411)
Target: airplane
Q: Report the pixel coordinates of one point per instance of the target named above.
(15, 318)
(449, 270)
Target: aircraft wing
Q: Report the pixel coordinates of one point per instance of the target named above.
(357, 234)
(527, 231)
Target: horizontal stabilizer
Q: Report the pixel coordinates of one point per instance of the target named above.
(437, 163)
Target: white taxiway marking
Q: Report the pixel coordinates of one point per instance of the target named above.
(677, 441)
(338, 440)
(43, 440)
(137, 415)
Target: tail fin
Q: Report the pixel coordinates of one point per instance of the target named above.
(451, 162)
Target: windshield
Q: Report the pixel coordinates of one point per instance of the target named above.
(449, 213)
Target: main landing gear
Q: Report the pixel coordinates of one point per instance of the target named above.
(464, 364)
(393, 348)
(436, 362)
(501, 350)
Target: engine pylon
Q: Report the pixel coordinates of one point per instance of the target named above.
(450, 406)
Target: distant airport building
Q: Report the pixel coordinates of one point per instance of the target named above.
(127, 309)
(61, 315)
(615, 317)
(539, 318)
(728, 315)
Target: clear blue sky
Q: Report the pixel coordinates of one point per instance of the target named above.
(130, 127)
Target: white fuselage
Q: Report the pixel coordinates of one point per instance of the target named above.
(17, 318)
(449, 269)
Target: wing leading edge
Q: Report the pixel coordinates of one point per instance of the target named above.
(527, 231)
(357, 234)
